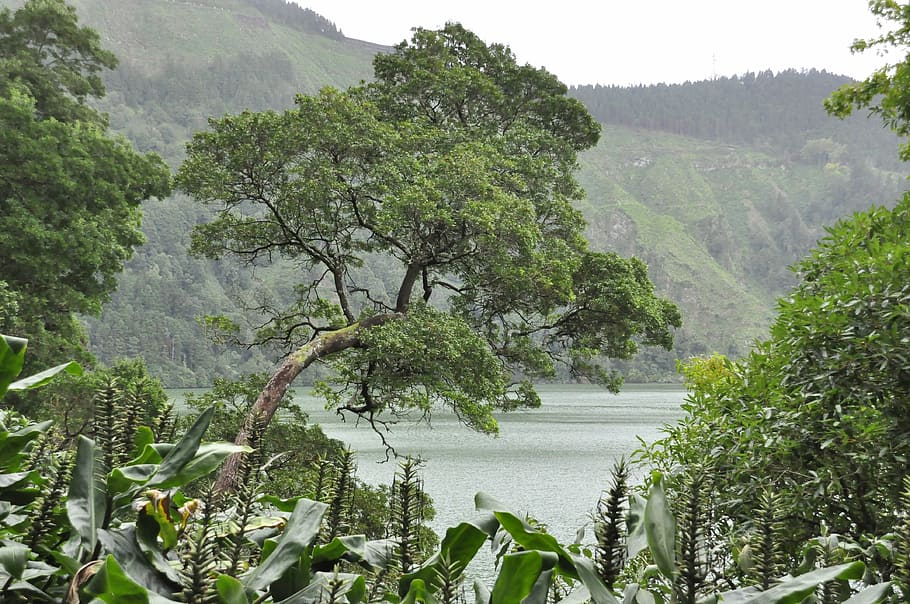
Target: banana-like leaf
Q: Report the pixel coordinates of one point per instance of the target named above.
(418, 593)
(794, 590)
(637, 539)
(42, 378)
(183, 452)
(872, 595)
(12, 443)
(13, 557)
(207, 457)
(147, 530)
(519, 574)
(660, 527)
(123, 545)
(12, 358)
(8, 481)
(534, 540)
(111, 585)
(459, 546)
(302, 529)
(85, 504)
(352, 587)
(230, 590)
(375, 554)
(592, 582)
(482, 594)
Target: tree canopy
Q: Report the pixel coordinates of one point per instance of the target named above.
(69, 192)
(456, 164)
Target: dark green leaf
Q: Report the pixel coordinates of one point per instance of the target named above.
(85, 504)
(302, 528)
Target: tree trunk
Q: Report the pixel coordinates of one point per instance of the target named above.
(266, 404)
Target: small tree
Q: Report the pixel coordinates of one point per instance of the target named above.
(456, 164)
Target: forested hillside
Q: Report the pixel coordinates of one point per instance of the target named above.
(718, 185)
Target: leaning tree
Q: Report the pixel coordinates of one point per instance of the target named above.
(456, 166)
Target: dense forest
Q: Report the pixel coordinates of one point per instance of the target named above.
(419, 236)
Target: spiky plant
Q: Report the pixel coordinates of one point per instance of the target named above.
(44, 518)
(901, 575)
(342, 490)
(165, 427)
(610, 527)
(243, 503)
(107, 404)
(201, 553)
(447, 580)
(691, 538)
(319, 487)
(135, 399)
(764, 543)
(406, 501)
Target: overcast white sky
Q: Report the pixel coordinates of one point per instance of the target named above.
(635, 41)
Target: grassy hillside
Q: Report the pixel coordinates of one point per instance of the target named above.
(718, 224)
(718, 218)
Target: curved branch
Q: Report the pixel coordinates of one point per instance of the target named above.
(265, 406)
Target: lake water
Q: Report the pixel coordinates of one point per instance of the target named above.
(552, 462)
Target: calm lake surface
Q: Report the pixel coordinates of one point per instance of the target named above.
(551, 462)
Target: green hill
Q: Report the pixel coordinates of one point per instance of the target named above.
(718, 211)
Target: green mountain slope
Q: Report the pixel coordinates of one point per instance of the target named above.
(718, 206)
(719, 225)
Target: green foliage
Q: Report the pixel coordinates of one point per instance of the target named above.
(817, 413)
(140, 538)
(456, 165)
(70, 193)
(884, 92)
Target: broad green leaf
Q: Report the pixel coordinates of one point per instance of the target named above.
(111, 585)
(284, 505)
(533, 540)
(147, 530)
(131, 558)
(459, 546)
(376, 554)
(518, 575)
(10, 480)
(872, 595)
(85, 505)
(12, 358)
(337, 547)
(12, 443)
(230, 590)
(592, 581)
(418, 593)
(660, 527)
(302, 528)
(482, 594)
(637, 539)
(207, 458)
(183, 452)
(352, 587)
(13, 557)
(42, 378)
(794, 590)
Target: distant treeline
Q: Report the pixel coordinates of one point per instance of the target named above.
(296, 17)
(760, 109)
